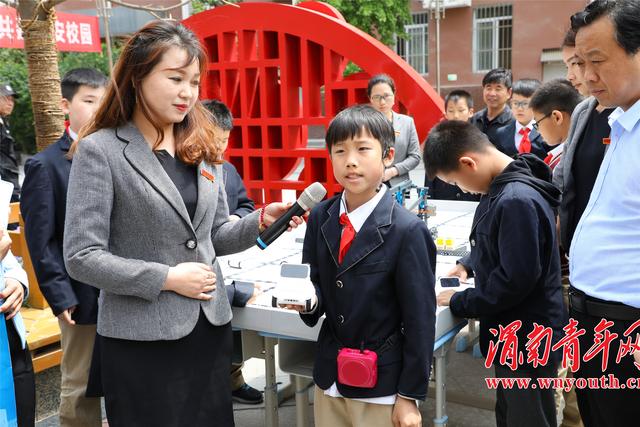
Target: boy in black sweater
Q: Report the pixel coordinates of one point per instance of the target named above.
(514, 259)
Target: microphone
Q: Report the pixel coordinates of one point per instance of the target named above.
(311, 196)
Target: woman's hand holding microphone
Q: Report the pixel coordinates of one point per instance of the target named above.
(191, 279)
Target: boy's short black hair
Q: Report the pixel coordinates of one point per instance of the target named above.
(221, 113)
(625, 15)
(526, 87)
(351, 122)
(456, 95)
(380, 78)
(556, 94)
(77, 77)
(498, 76)
(447, 142)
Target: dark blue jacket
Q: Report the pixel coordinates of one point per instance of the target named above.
(384, 285)
(43, 205)
(490, 128)
(239, 203)
(505, 141)
(514, 255)
(440, 190)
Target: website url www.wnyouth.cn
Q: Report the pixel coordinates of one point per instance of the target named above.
(604, 382)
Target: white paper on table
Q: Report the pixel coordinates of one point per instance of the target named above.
(6, 190)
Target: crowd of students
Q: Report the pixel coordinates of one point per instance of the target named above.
(135, 202)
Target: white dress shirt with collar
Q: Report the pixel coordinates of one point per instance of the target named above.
(606, 245)
(517, 137)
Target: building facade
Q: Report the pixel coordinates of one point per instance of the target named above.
(478, 35)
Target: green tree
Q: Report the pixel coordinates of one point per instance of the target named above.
(383, 19)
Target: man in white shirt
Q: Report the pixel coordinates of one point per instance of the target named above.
(605, 248)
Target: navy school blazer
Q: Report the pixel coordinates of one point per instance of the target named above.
(384, 285)
(239, 202)
(505, 141)
(43, 206)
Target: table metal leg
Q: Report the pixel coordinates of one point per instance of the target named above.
(441, 386)
(270, 387)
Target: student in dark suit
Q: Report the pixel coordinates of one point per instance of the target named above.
(240, 205)
(458, 105)
(520, 136)
(496, 92)
(43, 204)
(514, 259)
(372, 266)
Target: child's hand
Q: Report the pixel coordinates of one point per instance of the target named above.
(458, 271)
(13, 295)
(5, 243)
(405, 413)
(444, 297)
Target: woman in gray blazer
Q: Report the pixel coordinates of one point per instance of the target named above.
(146, 219)
(381, 91)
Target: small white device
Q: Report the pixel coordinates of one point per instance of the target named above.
(294, 287)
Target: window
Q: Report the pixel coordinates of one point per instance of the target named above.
(415, 49)
(492, 30)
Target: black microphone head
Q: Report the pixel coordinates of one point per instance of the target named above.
(311, 196)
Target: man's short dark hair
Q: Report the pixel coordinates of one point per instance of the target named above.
(221, 113)
(353, 121)
(380, 78)
(557, 94)
(498, 76)
(456, 95)
(526, 87)
(447, 142)
(625, 15)
(569, 39)
(77, 77)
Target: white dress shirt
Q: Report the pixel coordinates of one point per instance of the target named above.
(517, 137)
(606, 245)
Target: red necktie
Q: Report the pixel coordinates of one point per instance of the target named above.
(525, 144)
(348, 234)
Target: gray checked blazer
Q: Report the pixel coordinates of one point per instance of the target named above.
(407, 147)
(126, 224)
(562, 176)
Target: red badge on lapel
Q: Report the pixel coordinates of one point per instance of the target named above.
(207, 175)
(606, 141)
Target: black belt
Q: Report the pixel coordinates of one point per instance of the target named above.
(585, 304)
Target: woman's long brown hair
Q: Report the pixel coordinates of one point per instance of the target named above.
(195, 134)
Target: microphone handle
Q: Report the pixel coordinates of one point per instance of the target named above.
(279, 226)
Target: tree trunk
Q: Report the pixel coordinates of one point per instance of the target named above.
(38, 26)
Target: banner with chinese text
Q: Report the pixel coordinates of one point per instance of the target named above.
(74, 33)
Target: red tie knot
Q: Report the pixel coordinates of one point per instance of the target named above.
(524, 131)
(344, 219)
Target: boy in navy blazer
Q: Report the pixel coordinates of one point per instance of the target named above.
(520, 136)
(43, 204)
(514, 258)
(372, 265)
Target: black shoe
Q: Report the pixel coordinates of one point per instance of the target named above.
(247, 394)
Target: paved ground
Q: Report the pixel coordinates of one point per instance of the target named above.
(465, 383)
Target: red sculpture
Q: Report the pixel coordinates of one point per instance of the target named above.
(280, 68)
